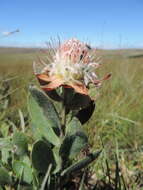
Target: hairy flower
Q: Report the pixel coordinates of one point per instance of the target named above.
(70, 66)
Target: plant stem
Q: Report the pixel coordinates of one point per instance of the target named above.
(63, 114)
(63, 126)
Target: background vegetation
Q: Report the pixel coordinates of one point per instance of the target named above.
(116, 125)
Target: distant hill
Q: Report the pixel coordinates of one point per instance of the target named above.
(15, 50)
(130, 53)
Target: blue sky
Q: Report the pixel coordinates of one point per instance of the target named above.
(102, 23)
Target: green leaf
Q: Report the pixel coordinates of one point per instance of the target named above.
(79, 101)
(48, 107)
(4, 128)
(5, 178)
(73, 126)
(42, 156)
(72, 145)
(85, 114)
(74, 141)
(57, 159)
(68, 95)
(5, 155)
(44, 116)
(54, 95)
(81, 164)
(5, 143)
(20, 142)
(29, 187)
(23, 171)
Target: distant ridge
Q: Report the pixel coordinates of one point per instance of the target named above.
(5, 50)
(129, 53)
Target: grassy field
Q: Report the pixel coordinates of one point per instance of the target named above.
(116, 125)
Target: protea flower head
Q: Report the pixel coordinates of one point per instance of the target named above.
(71, 65)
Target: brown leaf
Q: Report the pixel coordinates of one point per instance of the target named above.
(79, 88)
(44, 77)
(53, 84)
(106, 77)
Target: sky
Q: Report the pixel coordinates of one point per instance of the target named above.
(101, 23)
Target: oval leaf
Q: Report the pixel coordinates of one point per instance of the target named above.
(42, 156)
(79, 101)
(73, 126)
(43, 123)
(73, 144)
(47, 107)
(85, 114)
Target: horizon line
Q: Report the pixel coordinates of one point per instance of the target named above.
(42, 47)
